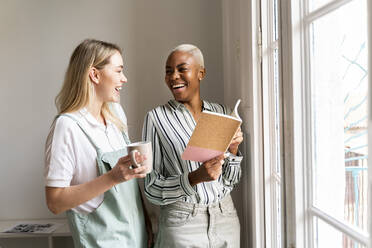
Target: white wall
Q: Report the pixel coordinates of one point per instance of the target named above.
(162, 25)
(37, 39)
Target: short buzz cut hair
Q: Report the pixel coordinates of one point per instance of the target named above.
(191, 49)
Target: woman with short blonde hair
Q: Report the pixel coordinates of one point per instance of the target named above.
(196, 209)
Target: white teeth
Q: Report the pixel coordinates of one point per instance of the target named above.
(177, 86)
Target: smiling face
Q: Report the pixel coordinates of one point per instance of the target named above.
(110, 79)
(183, 75)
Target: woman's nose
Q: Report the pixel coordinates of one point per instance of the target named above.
(124, 79)
(175, 75)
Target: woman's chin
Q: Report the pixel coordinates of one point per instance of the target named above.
(115, 99)
(179, 97)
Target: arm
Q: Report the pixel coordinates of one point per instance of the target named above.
(60, 199)
(160, 189)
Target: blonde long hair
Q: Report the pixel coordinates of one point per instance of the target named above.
(77, 90)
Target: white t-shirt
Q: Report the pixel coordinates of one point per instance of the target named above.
(70, 158)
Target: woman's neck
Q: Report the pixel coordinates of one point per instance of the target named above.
(95, 109)
(195, 107)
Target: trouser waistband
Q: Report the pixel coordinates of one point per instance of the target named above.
(194, 208)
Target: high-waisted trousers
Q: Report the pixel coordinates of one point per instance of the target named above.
(190, 225)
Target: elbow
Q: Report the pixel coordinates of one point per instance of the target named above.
(54, 207)
(53, 201)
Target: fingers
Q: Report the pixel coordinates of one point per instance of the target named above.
(139, 158)
(216, 159)
(239, 134)
(237, 139)
(139, 170)
(124, 160)
(139, 175)
(123, 172)
(127, 161)
(212, 169)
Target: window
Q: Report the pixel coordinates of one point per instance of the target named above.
(328, 147)
(306, 119)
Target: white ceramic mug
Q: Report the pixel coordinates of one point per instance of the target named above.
(144, 148)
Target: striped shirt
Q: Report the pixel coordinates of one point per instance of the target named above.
(169, 128)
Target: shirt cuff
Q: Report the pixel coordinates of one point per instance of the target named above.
(235, 159)
(57, 183)
(185, 184)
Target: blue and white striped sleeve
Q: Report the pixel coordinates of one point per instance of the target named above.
(231, 170)
(160, 189)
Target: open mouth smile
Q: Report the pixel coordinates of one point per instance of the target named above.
(178, 86)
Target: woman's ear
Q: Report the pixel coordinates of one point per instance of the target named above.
(93, 75)
(201, 73)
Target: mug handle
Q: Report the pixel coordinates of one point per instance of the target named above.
(133, 153)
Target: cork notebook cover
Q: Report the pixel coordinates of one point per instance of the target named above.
(212, 135)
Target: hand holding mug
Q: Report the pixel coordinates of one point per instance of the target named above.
(123, 171)
(145, 149)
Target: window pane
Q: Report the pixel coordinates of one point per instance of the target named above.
(278, 214)
(277, 112)
(315, 4)
(339, 91)
(275, 20)
(326, 236)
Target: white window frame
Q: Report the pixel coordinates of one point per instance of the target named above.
(271, 177)
(295, 71)
(369, 27)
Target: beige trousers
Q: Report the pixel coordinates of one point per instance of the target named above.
(189, 225)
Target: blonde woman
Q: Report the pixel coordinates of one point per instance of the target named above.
(88, 173)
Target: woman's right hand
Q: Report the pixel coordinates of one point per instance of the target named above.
(123, 170)
(208, 171)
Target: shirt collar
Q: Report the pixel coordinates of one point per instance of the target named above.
(177, 105)
(91, 120)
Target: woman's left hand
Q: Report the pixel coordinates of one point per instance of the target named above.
(234, 145)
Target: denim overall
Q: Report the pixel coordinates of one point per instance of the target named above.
(119, 220)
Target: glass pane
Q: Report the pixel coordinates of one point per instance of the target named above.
(277, 111)
(315, 4)
(326, 236)
(339, 91)
(278, 214)
(275, 19)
